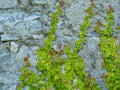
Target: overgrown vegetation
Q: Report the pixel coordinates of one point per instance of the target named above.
(54, 72)
(109, 48)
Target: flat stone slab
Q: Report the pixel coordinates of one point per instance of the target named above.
(6, 37)
(8, 4)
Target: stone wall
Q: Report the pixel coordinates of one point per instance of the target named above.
(24, 25)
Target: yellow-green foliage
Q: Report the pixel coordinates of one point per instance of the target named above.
(55, 72)
(50, 64)
(109, 48)
(28, 77)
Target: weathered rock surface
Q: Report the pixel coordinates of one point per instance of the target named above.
(24, 52)
(93, 59)
(1, 29)
(8, 4)
(5, 37)
(13, 47)
(24, 25)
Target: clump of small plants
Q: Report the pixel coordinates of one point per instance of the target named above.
(54, 72)
(109, 48)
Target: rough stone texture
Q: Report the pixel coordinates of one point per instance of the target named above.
(1, 29)
(41, 36)
(8, 4)
(9, 68)
(8, 38)
(39, 2)
(93, 60)
(13, 47)
(24, 52)
(24, 25)
(23, 3)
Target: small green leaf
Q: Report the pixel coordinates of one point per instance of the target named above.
(77, 42)
(33, 88)
(56, 77)
(20, 88)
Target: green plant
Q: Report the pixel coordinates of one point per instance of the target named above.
(35, 80)
(55, 72)
(28, 77)
(109, 48)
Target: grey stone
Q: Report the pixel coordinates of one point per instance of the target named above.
(13, 47)
(8, 79)
(41, 36)
(5, 37)
(34, 48)
(93, 59)
(11, 19)
(50, 4)
(24, 3)
(4, 50)
(29, 20)
(1, 29)
(22, 23)
(27, 29)
(3, 55)
(12, 87)
(75, 13)
(56, 48)
(38, 1)
(9, 72)
(24, 52)
(8, 3)
(65, 37)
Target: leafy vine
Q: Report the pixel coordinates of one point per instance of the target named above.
(54, 72)
(109, 48)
